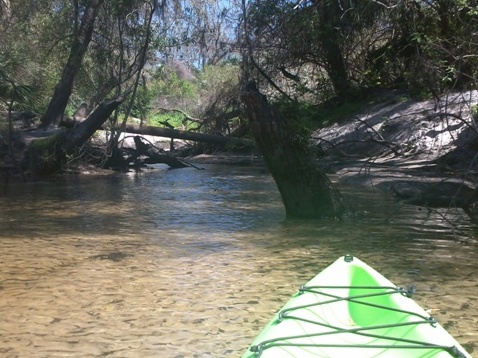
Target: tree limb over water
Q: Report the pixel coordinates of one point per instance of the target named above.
(186, 135)
(48, 155)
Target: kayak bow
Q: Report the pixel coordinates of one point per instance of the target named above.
(351, 310)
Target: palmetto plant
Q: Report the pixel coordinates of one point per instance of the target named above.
(13, 95)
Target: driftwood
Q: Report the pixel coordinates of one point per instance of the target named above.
(305, 190)
(154, 155)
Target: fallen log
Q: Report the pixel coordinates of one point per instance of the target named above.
(170, 133)
(176, 134)
(185, 135)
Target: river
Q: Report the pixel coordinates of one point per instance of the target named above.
(193, 263)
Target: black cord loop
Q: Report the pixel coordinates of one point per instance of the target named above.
(362, 331)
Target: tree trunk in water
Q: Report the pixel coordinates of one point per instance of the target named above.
(58, 102)
(48, 155)
(305, 190)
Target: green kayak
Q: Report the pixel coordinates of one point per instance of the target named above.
(350, 310)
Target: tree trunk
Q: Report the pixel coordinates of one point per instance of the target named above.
(63, 89)
(330, 14)
(335, 63)
(48, 155)
(305, 190)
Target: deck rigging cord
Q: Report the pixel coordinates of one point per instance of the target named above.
(287, 313)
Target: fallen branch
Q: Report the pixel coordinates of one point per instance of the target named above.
(382, 141)
(186, 135)
(155, 155)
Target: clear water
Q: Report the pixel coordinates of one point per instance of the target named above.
(193, 263)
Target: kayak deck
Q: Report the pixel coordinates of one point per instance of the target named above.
(347, 310)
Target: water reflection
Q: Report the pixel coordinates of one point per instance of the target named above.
(192, 263)
(125, 204)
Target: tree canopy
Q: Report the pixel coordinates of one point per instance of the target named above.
(307, 50)
(185, 62)
(317, 49)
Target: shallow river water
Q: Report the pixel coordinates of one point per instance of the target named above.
(193, 263)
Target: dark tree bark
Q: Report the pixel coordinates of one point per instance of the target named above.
(330, 14)
(63, 89)
(78, 135)
(305, 190)
(48, 155)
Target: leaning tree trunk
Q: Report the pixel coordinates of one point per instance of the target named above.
(49, 155)
(63, 89)
(306, 191)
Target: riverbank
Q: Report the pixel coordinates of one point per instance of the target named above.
(425, 152)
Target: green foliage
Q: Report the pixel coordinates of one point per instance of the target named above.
(170, 88)
(329, 114)
(301, 117)
(432, 47)
(200, 94)
(175, 119)
(171, 83)
(31, 43)
(305, 118)
(474, 111)
(423, 47)
(122, 7)
(13, 91)
(214, 77)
